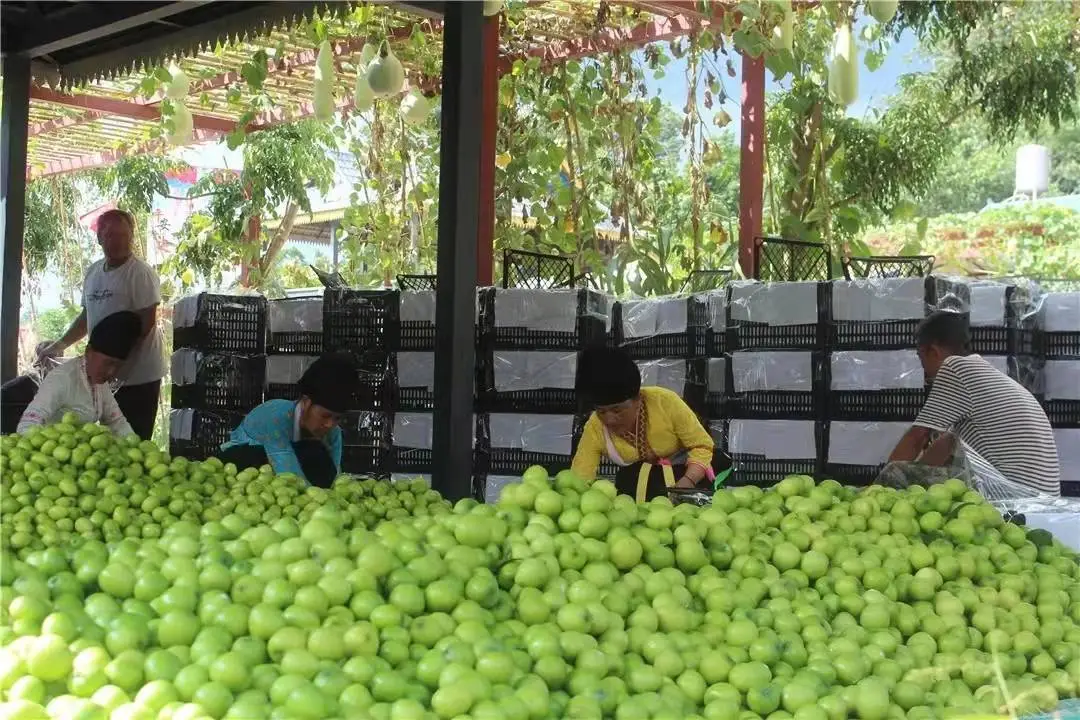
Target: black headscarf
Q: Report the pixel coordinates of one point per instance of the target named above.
(116, 335)
(331, 382)
(606, 376)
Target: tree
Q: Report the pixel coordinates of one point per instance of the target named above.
(280, 165)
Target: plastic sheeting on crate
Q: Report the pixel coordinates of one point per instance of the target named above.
(1062, 380)
(287, 369)
(667, 373)
(1060, 312)
(417, 430)
(989, 304)
(771, 370)
(1001, 362)
(876, 370)
(544, 310)
(863, 443)
(1068, 447)
(416, 370)
(774, 303)
(773, 439)
(879, 299)
(495, 484)
(553, 434)
(717, 376)
(417, 306)
(648, 317)
(533, 370)
(302, 314)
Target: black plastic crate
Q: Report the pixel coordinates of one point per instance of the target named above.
(688, 344)
(938, 294)
(591, 326)
(1070, 488)
(282, 391)
(855, 475)
(363, 321)
(366, 428)
(770, 404)
(562, 401)
(513, 461)
(764, 472)
(1062, 413)
(362, 459)
(295, 343)
(209, 430)
(750, 335)
(890, 405)
(1061, 345)
(223, 382)
(410, 460)
(224, 323)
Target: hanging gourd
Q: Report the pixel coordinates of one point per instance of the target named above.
(492, 7)
(844, 69)
(385, 75)
(363, 97)
(183, 130)
(415, 108)
(179, 84)
(367, 54)
(784, 33)
(882, 10)
(324, 82)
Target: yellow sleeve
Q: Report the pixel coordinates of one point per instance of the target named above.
(694, 438)
(589, 451)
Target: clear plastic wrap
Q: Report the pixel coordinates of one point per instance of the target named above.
(211, 322)
(1060, 312)
(670, 373)
(296, 314)
(416, 370)
(871, 300)
(773, 439)
(758, 371)
(287, 369)
(495, 484)
(863, 443)
(774, 303)
(1068, 447)
(417, 306)
(1062, 380)
(717, 376)
(548, 434)
(548, 310)
(876, 370)
(515, 371)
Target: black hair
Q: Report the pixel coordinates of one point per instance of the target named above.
(331, 382)
(606, 376)
(116, 335)
(945, 329)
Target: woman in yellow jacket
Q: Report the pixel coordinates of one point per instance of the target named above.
(650, 433)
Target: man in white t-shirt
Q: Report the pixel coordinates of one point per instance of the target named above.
(120, 281)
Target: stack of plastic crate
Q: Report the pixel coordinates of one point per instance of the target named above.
(527, 352)
(1003, 326)
(365, 324)
(1059, 325)
(875, 385)
(217, 369)
(766, 347)
(295, 341)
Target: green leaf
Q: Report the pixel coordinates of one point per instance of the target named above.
(904, 210)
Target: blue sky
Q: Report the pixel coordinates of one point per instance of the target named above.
(874, 87)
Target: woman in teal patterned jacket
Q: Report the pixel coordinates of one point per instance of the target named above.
(302, 437)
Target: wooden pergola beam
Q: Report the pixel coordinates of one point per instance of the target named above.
(124, 108)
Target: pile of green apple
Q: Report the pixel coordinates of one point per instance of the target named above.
(78, 480)
(801, 602)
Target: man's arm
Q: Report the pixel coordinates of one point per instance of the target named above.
(149, 319)
(146, 296)
(75, 332)
(940, 451)
(911, 445)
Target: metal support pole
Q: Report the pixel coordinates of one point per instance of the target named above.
(334, 245)
(751, 160)
(14, 118)
(455, 306)
(485, 239)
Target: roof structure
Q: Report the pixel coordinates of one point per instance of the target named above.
(87, 111)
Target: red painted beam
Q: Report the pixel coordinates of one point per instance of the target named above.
(124, 108)
(489, 124)
(751, 160)
(608, 40)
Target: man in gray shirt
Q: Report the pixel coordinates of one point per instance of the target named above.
(121, 281)
(973, 402)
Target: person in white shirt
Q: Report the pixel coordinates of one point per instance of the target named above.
(80, 385)
(121, 281)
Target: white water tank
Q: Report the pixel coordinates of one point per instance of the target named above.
(1032, 169)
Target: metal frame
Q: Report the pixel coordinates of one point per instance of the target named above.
(900, 266)
(455, 294)
(417, 283)
(761, 240)
(14, 116)
(517, 274)
(705, 280)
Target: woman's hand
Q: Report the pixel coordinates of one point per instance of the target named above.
(686, 483)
